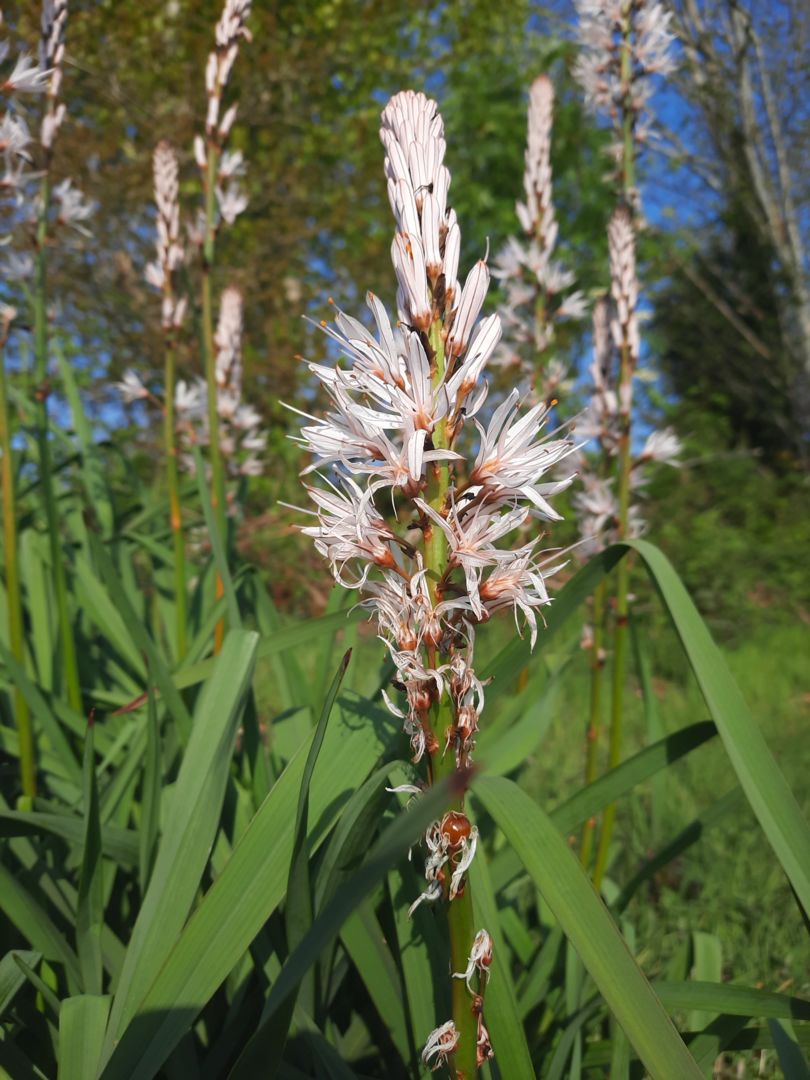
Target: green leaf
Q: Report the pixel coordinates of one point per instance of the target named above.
(731, 999)
(363, 939)
(82, 1023)
(216, 540)
(11, 977)
(760, 777)
(558, 875)
(192, 824)
(793, 1062)
(92, 469)
(150, 795)
(385, 854)
(298, 904)
(246, 892)
(90, 906)
(33, 922)
(118, 844)
(707, 966)
(502, 1016)
(157, 668)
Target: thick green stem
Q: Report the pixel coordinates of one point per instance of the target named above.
(625, 457)
(210, 365)
(460, 922)
(595, 720)
(621, 627)
(40, 313)
(175, 513)
(22, 716)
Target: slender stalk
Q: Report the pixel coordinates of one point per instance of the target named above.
(461, 924)
(595, 719)
(627, 177)
(40, 318)
(209, 363)
(22, 716)
(175, 513)
(459, 912)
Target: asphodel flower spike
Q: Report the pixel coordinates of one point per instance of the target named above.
(538, 288)
(414, 519)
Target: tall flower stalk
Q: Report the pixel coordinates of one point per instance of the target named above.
(624, 43)
(223, 200)
(25, 77)
(22, 716)
(408, 515)
(52, 51)
(538, 288)
(162, 274)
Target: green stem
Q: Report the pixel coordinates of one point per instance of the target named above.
(15, 616)
(175, 513)
(40, 313)
(628, 164)
(460, 921)
(621, 627)
(210, 365)
(595, 720)
(625, 461)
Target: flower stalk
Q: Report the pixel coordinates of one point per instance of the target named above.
(22, 715)
(432, 570)
(162, 274)
(52, 48)
(219, 204)
(624, 43)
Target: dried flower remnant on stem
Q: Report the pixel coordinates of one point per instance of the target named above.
(413, 521)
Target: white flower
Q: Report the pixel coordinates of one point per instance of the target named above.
(131, 388)
(232, 202)
(662, 446)
(74, 208)
(26, 77)
(511, 459)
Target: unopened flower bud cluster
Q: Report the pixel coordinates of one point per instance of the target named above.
(615, 330)
(538, 287)
(241, 438)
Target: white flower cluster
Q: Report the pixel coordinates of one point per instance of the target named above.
(607, 30)
(169, 249)
(15, 137)
(241, 439)
(231, 199)
(537, 286)
(606, 420)
(393, 429)
(45, 78)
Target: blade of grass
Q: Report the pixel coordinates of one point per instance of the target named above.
(190, 830)
(82, 1023)
(298, 912)
(244, 895)
(558, 875)
(90, 907)
(263, 1051)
